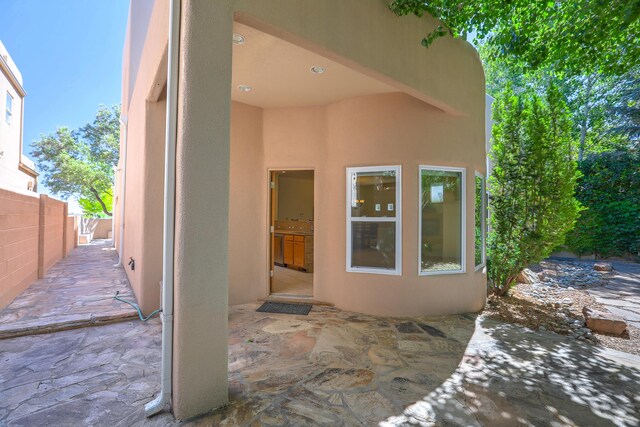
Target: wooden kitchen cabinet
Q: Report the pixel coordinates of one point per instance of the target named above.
(288, 250)
(298, 252)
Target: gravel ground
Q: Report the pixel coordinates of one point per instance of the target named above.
(555, 304)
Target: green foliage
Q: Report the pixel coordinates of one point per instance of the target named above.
(93, 208)
(596, 126)
(578, 37)
(479, 214)
(626, 109)
(533, 181)
(81, 162)
(610, 190)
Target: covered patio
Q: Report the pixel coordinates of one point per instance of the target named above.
(331, 367)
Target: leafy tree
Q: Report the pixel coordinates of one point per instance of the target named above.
(81, 162)
(533, 181)
(610, 190)
(578, 37)
(93, 208)
(588, 97)
(626, 109)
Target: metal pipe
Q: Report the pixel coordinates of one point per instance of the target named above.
(164, 398)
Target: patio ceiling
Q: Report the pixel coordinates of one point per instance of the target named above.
(279, 74)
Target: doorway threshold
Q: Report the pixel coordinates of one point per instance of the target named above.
(295, 299)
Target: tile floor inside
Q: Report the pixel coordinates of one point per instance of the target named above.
(292, 282)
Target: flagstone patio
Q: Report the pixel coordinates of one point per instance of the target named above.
(77, 291)
(329, 368)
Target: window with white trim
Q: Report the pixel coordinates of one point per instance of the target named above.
(9, 108)
(441, 220)
(480, 221)
(374, 217)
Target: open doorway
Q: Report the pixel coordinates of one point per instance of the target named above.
(291, 233)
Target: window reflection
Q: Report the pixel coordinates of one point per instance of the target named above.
(441, 220)
(373, 244)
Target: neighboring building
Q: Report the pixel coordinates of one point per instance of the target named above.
(323, 154)
(17, 171)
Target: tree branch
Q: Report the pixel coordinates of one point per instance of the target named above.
(97, 196)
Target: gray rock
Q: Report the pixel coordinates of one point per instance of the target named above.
(603, 266)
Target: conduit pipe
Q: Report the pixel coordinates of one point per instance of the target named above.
(164, 398)
(123, 190)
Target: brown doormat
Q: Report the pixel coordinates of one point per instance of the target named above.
(284, 308)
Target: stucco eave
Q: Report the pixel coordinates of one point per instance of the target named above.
(12, 78)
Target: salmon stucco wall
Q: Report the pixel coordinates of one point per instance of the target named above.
(247, 239)
(221, 253)
(19, 222)
(143, 219)
(387, 129)
(144, 110)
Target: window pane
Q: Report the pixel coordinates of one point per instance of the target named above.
(373, 244)
(9, 109)
(441, 212)
(373, 194)
(479, 214)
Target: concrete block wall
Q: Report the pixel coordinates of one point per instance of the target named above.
(19, 223)
(52, 224)
(102, 228)
(71, 234)
(35, 233)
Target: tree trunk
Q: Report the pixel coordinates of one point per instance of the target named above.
(97, 196)
(585, 121)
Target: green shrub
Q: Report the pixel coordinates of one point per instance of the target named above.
(532, 185)
(609, 188)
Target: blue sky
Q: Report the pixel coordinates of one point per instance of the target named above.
(70, 55)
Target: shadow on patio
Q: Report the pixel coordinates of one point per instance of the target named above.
(513, 376)
(78, 291)
(329, 368)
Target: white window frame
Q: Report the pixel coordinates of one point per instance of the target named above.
(463, 219)
(483, 218)
(9, 108)
(397, 219)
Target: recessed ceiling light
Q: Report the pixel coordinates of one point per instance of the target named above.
(244, 88)
(238, 39)
(316, 69)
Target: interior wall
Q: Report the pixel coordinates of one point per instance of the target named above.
(295, 197)
(248, 243)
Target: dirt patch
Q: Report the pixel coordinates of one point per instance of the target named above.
(556, 304)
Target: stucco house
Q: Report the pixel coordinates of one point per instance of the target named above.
(17, 171)
(294, 150)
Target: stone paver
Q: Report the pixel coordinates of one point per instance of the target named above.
(329, 368)
(621, 295)
(99, 376)
(78, 291)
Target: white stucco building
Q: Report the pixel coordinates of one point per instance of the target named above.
(17, 171)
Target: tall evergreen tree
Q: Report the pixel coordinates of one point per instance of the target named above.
(532, 186)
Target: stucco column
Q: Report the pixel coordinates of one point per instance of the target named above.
(200, 365)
